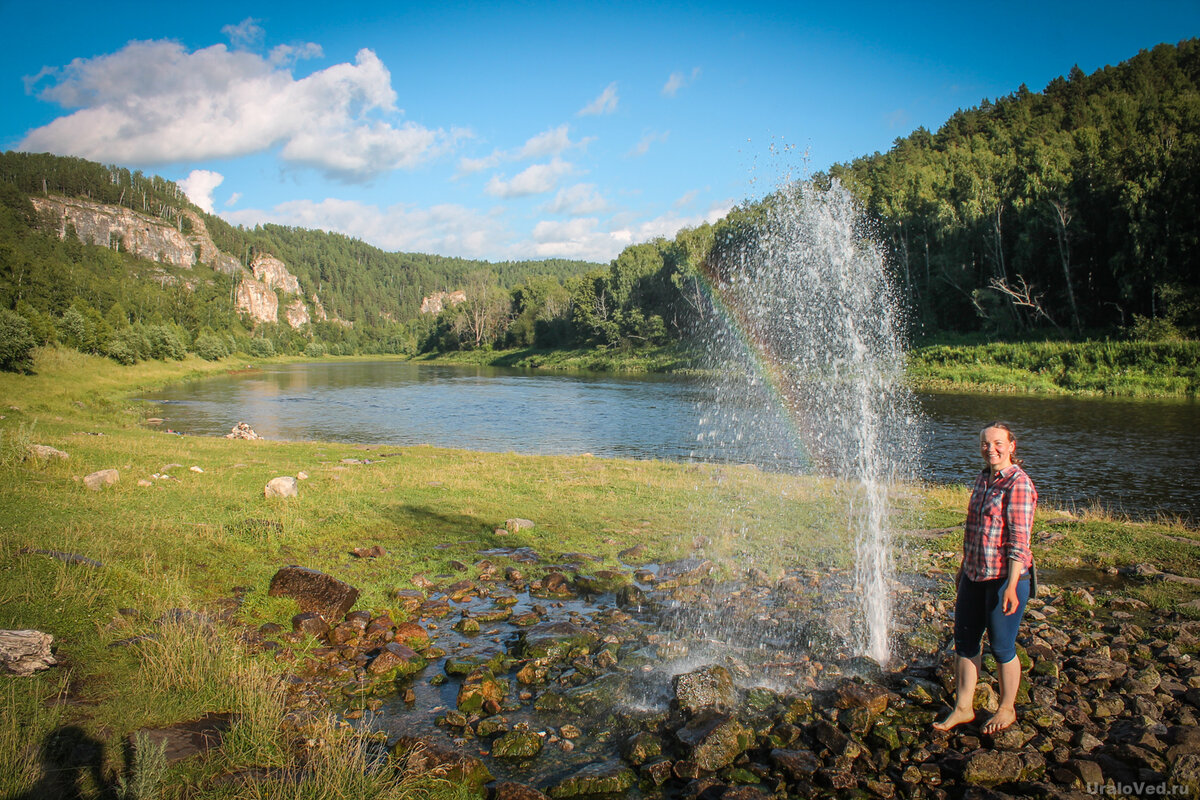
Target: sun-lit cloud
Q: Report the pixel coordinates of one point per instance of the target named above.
(535, 179)
(199, 186)
(552, 142)
(155, 102)
(588, 238)
(643, 145)
(605, 103)
(686, 199)
(678, 80)
(577, 200)
(446, 229)
(233, 199)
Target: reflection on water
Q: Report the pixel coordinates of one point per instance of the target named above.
(1134, 456)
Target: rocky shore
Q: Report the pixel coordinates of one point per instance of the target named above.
(664, 680)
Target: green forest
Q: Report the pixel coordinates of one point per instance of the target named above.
(1065, 214)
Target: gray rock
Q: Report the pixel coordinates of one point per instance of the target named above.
(44, 452)
(184, 739)
(517, 524)
(283, 486)
(25, 652)
(992, 767)
(98, 480)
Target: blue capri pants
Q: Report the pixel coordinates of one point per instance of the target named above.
(980, 607)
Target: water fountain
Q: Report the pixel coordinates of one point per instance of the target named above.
(806, 349)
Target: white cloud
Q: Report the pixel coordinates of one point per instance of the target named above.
(577, 200)
(199, 186)
(678, 80)
(605, 103)
(284, 54)
(155, 102)
(246, 33)
(643, 146)
(448, 229)
(535, 179)
(233, 199)
(686, 199)
(550, 142)
(585, 238)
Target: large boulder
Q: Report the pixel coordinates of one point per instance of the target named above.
(314, 591)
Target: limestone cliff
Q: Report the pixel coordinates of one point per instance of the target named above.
(434, 303)
(274, 273)
(255, 298)
(297, 313)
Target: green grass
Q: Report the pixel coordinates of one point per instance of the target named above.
(186, 542)
(1132, 369)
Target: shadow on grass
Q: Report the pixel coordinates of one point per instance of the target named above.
(72, 768)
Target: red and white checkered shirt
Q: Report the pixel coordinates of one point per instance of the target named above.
(999, 521)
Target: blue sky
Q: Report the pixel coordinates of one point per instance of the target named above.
(521, 130)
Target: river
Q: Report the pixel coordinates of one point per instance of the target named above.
(1131, 456)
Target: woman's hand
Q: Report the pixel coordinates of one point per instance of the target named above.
(1010, 603)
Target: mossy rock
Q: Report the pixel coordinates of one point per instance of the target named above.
(602, 581)
(605, 778)
(517, 744)
(554, 641)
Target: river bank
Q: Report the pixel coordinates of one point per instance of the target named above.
(1090, 368)
(206, 541)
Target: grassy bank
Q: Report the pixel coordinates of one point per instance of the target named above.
(185, 542)
(1130, 369)
(1119, 369)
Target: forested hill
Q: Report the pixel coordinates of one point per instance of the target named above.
(355, 281)
(1075, 207)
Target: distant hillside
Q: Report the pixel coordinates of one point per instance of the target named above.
(1076, 207)
(118, 244)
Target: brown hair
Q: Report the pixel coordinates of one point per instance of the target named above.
(1020, 462)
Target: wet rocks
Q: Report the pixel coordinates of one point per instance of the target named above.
(708, 687)
(714, 740)
(428, 755)
(314, 591)
(395, 660)
(604, 778)
(517, 744)
(100, 479)
(283, 486)
(555, 641)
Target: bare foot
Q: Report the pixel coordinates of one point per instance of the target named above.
(957, 717)
(1000, 720)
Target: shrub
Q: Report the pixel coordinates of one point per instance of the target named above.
(16, 342)
(260, 348)
(210, 347)
(314, 350)
(165, 343)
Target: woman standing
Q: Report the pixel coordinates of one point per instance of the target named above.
(993, 579)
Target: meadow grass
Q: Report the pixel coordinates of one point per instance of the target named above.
(186, 541)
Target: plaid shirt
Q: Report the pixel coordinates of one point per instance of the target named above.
(999, 521)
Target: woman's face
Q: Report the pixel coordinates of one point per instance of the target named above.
(997, 448)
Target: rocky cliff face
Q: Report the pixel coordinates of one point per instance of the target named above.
(156, 240)
(434, 303)
(274, 273)
(255, 298)
(297, 313)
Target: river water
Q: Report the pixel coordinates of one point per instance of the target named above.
(1132, 456)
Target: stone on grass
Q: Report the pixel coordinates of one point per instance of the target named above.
(98, 480)
(25, 652)
(517, 524)
(314, 591)
(44, 452)
(184, 739)
(283, 486)
(311, 623)
(195, 469)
